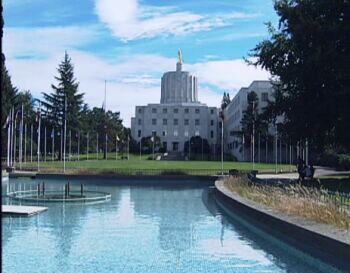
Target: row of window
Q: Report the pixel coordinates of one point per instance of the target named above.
(176, 133)
(176, 122)
(176, 110)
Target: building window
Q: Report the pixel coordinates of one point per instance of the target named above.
(165, 110)
(176, 110)
(154, 121)
(196, 122)
(164, 133)
(165, 121)
(186, 122)
(175, 133)
(154, 110)
(176, 121)
(264, 96)
(212, 134)
(186, 133)
(212, 111)
(139, 133)
(196, 133)
(140, 121)
(140, 110)
(197, 111)
(212, 122)
(187, 110)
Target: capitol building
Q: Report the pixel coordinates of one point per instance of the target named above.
(179, 115)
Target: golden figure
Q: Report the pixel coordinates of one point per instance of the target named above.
(179, 54)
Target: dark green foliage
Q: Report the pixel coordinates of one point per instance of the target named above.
(252, 118)
(147, 145)
(309, 55)
(66, 89)
(331, 159)
(225, 100)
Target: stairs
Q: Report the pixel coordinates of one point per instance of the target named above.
(172, 156)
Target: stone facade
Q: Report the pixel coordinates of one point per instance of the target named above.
(179, 116)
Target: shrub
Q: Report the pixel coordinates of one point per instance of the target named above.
(343, 162)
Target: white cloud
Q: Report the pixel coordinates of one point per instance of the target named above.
(132, 80)
(128, 20)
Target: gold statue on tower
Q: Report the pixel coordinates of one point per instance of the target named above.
(179, 54)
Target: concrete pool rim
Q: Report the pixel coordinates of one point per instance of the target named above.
(325, 240)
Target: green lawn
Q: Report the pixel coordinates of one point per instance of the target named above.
(134, 163)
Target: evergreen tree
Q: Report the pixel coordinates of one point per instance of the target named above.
(65, 90)
(310, 58)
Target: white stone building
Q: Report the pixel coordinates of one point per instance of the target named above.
(234, 114)
(179, 115)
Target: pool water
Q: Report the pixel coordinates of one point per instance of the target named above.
(143, 229)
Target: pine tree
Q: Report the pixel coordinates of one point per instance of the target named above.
(64, 101)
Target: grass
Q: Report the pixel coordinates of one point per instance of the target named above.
(135, 163)
(309, 203)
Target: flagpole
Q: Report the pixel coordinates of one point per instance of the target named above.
(128, 146)
(21, 140)
(61, 143)
(106, 148)
(78, 145)
(140, 147)
(45, 144)
(97, 146)
(31, 143)
(14, 142)
(243, 144)
(8, 139)
(53, 144)
(116, 147)
(25, 143)
(87, 146)
(39, 126)
(65, 132)
(70, 145)
(12, 136)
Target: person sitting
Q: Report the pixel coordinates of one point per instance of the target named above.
(301, 168)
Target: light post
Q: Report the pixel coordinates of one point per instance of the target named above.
(65, 132)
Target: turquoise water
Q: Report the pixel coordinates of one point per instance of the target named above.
(142, 229)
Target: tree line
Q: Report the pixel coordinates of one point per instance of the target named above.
(63, 105)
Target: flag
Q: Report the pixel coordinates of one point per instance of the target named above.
(38, 116)
(152, 139)
(117, 138)
(7, 122)
(18, 114)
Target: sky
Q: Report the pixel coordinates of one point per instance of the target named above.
(131, 43)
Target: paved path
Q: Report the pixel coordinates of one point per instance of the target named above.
(319, 171)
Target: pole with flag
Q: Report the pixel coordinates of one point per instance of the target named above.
(116, 146)
(152, 139)
(276, 150)
(15, 140)
(61, 143)
(39, 127)
(243, 144)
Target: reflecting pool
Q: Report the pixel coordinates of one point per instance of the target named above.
(142, 229)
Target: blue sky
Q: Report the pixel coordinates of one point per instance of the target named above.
(130, 43)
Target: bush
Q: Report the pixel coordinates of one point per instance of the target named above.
(338, 161)
(343, 162)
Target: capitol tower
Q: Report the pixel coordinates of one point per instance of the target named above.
(179, 116)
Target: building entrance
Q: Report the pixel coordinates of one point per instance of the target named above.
(175, 146)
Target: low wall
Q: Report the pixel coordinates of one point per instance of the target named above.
(325, 244)
(152, 180)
